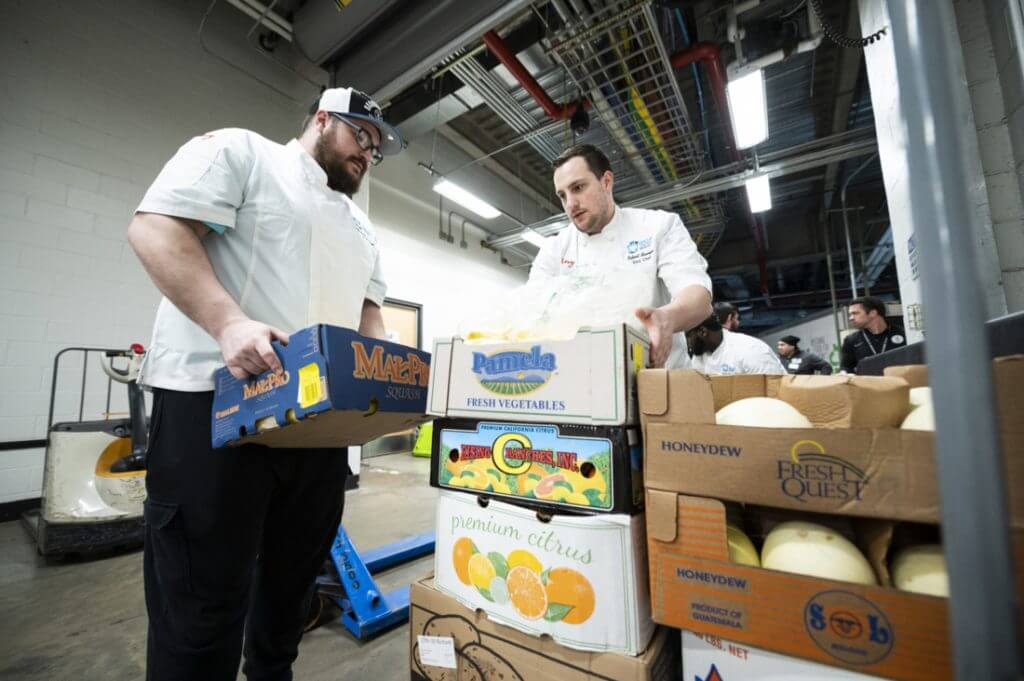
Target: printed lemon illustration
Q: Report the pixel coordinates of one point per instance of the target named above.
(481, 571)
(461, 555)
(570, 596)
(526, 592)
(523, 558)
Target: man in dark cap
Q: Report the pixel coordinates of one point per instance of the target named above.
(797, 361)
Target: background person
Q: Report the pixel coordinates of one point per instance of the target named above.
(728, 315)
(797, 361)
(873, 334)
(715, 350)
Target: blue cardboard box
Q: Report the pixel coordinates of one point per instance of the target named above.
(338, 388)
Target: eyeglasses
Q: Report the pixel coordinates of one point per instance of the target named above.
(363, 139)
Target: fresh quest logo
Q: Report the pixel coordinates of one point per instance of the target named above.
(514, 372)
(811, 473)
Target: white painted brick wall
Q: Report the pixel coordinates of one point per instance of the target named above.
(94, 97)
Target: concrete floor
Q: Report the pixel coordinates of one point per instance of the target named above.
(87, 619)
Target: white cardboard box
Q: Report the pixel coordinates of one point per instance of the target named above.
(580, 579)
(590, 378)
(709, 658)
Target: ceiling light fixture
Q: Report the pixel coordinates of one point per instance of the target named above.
(759, 194)
(532, 236)
(466, 199)
(747, 109)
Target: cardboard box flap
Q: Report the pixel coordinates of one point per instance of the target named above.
(914, 374)
(875, 537)
(652, 386)
(661, 507)
(848, 401)
(728, 389)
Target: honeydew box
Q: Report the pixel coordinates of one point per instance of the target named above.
(589, 378)
(337, 388)
(564, 467)
(580, 579)
(855, 470)
(870, 629)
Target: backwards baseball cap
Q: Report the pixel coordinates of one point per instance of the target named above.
(352, 103)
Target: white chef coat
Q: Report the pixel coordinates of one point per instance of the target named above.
(291, 251)
(652, 242)
(738, 354)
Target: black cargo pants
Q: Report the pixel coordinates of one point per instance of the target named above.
(234, 540)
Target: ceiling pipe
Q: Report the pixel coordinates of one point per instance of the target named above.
(710, 55)
(500, 50)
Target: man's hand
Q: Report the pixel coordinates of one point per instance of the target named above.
(659, 329)
(245, 345)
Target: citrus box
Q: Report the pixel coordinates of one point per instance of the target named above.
(710, 658)
(580, 579)
(460, 644)
(869, 629)
(550, 467)
(589, 378)
(337, 388)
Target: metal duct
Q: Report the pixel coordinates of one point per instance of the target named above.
(322, 28)
(381, 46)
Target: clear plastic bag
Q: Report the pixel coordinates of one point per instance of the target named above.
(555, 308)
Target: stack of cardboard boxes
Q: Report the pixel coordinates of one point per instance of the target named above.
(854, 470)
(540, 561)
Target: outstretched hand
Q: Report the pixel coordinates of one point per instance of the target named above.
(659, 330)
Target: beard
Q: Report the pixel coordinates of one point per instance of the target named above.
(340, 176)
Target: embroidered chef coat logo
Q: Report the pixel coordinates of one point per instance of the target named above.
(640, 250)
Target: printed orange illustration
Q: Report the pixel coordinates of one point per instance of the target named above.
(461, 554)
(527, 593)
(567, 587)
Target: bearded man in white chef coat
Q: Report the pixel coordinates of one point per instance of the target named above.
(249, 241)
(652, 244)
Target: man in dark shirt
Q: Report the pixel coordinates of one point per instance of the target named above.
(873, 335)
(797, 361)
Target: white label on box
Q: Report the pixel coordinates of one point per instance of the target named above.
(437, 651)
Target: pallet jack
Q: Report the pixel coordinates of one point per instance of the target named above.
(94, 478)
(349, 582)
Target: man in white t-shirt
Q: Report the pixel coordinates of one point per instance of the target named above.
(652, 244)
(716, 350)
(249, 241)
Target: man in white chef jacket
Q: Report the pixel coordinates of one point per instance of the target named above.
(717, 350)
(651, 243)
(249, 241)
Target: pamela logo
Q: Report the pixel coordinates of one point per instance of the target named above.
(811, 473)
(514, 372)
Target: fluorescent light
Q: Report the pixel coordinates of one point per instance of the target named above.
(533, 237)
(466, 199)
(759, 194)
(748, 110)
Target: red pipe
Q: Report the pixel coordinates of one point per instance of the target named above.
(500, 50)
(711, 56)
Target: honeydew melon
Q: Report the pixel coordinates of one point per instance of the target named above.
(921, 569)
(761, 412)
(817, 551)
